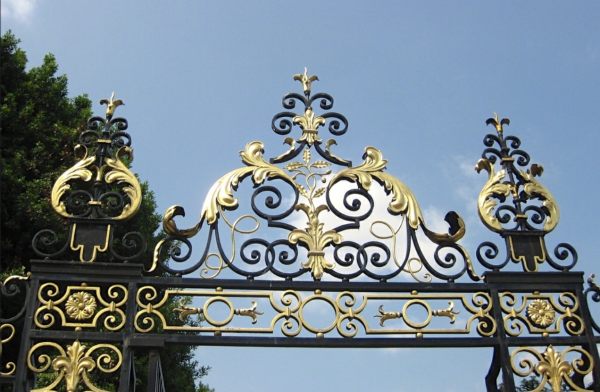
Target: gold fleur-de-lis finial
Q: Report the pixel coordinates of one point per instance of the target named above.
(498, 123)
(111, 105)
(306, 80)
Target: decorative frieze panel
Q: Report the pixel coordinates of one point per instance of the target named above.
(541, 313)
(294, 313)
(81, 306)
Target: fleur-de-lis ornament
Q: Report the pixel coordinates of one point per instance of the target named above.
(306, 80)
(111, 105)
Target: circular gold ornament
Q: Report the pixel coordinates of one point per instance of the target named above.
(540, 313)
(81, 305)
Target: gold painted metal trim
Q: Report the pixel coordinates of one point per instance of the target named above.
(517, 315)
(403, 200)
(348, 312)
(111, 104)
(95, 248)
(306, 80)
(74, 364)
(537, 259)
(552, 366)
(493, 187)
(53, 305)
(10, 368)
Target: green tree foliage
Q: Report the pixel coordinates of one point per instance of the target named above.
(532, 382)
(40, 126)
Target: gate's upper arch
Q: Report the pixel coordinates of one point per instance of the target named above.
(300, 248)
(321, 211)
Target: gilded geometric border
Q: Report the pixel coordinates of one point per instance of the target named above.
(347, 313)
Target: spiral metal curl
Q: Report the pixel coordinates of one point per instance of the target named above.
(46, 243)
(516, 205)
(133, 243)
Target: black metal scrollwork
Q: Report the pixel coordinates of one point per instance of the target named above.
(14, 297)
(94, 194)
(317, 218)
(518, 207)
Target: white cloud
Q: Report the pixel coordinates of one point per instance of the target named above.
(18, 10)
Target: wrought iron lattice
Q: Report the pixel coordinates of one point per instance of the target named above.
(516, 205)
(302, 185)
(95, 193)
(311, 229)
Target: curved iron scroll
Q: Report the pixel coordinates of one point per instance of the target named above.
(317, 210)
(95, 194)
(516, 205)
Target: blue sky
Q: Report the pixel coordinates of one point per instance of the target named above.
(416, 79)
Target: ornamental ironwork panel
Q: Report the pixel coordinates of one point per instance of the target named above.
(282, 238)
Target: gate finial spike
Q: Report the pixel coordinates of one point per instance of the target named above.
(306, 80)
(498, 123)
(111, 105)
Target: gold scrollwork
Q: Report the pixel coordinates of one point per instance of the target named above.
(541, 313)
(496, 188)
(81, 304)
(221, 193)
(403, 200)
(345, 312)
(554, 367)
(74, 364)
(114, 171)
(7, 333)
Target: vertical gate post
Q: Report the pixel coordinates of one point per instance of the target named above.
(591, 345)
(22, 379)
(156, 382)
(501, 351)
(127, 377)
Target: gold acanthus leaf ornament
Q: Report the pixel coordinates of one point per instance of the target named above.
(403, 200)
(121, 174)
(494, 187)
(114, 170)
(220, 194)
(79, 171)
(534, 189)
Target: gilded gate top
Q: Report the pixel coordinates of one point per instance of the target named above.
(516, 205)
(100, 185)
(327, 226)
(96, 193)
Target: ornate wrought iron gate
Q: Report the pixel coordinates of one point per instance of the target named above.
(320, 232)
